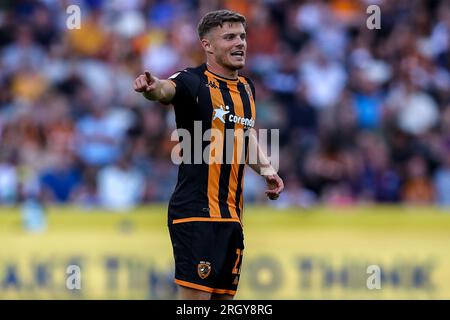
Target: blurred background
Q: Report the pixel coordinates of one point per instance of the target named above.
(364, 118)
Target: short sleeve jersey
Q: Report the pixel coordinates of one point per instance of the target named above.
(210, 182)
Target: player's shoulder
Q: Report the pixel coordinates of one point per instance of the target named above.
(199, 70)
(191, 73)
(187, 82)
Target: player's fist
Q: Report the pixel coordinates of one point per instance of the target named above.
(275, 186)
(145, 82)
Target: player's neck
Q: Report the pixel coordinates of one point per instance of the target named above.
(221, 71)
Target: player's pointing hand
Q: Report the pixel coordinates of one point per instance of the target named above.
(145, 82)
(153, 88)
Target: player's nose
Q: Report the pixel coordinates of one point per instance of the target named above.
(240, 45)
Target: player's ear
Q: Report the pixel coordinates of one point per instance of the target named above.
(206, 44)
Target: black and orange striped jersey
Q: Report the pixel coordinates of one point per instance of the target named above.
(210, 191)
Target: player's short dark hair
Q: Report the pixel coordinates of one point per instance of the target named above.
(218, 18)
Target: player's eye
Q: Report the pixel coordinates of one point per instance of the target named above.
(243, 36)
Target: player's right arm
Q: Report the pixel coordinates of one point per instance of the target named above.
(153, 88)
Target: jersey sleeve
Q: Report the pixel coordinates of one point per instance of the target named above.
(186, 86)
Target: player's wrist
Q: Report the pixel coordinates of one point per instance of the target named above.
(266, 171)
(155, 93)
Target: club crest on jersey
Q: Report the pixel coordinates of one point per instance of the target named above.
(204, 269)
(248, 89)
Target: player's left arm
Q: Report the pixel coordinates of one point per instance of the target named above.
(263, 167)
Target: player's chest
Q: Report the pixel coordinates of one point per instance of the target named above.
(226, 104)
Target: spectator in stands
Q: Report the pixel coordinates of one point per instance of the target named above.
(363, 114)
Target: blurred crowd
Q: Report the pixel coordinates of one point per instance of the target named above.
(364, 115)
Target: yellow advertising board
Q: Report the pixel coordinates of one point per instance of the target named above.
(365, 253)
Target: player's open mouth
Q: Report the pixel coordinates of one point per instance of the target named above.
(238, 53)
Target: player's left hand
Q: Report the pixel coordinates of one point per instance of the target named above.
(276, 186)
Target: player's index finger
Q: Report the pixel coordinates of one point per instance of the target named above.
(148, 76)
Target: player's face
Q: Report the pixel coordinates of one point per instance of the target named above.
(229, 45)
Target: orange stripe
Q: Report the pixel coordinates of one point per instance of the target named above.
(253, 117)
(183, 220)
(194, 286)
(252, 102)
(224, 291)
(237, 149)
(241, 200)
(204, 288)
(214, 168)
